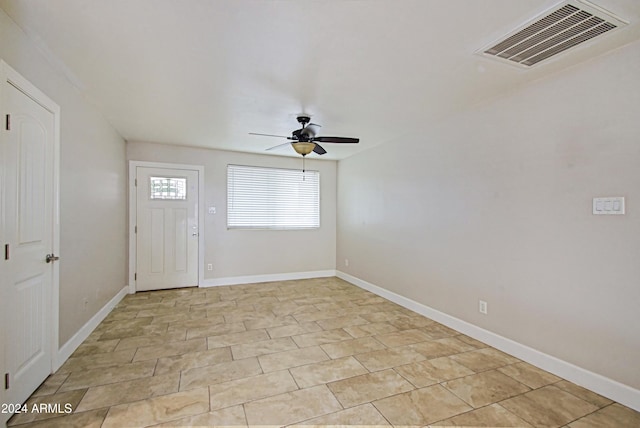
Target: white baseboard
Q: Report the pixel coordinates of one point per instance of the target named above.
(602, 385)
(236, 280)
(76, 340)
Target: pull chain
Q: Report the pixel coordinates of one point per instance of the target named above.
(303, 170)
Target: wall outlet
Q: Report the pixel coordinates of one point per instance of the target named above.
(210, 266)
(482, 307)
(346, 262)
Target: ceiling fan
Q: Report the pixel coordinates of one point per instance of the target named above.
(305, 140)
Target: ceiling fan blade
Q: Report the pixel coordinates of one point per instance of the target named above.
(319, 150)
(268, 135)
(278, 146)
(336, 140)
(311, 129)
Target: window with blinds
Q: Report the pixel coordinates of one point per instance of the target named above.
(272, 198)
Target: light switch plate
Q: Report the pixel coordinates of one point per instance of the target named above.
(613, 205)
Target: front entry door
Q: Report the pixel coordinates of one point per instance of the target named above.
(166, 228)
(28, 211)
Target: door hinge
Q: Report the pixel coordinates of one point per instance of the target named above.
(6, 251)
(135, 276)
(7, 124)
(135, 182)
(135, 229)
(6, 381)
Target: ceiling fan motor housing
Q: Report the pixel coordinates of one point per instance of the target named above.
(300, 136)
(303, 134)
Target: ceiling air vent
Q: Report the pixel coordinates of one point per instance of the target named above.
(563, 27)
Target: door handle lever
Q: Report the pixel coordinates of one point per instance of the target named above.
(51, 258)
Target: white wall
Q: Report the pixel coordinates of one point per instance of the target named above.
(92, 188)
(495, 203)
(237, 253)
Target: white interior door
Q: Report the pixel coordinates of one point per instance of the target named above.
(167, 228)
(28, 229)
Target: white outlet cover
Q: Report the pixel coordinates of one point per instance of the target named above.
(482, 307)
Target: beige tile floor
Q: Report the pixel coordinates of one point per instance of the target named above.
(312, 352)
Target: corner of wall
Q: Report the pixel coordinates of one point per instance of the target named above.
(81, 335)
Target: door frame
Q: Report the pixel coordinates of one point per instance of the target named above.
(133, 208)
(11, 76)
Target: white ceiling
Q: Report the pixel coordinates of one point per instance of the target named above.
(206, 73)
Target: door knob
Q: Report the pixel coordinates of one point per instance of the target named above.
(51, 258)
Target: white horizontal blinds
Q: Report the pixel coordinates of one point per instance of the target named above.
(271, 198)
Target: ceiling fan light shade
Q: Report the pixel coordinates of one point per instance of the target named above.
(303, 148)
